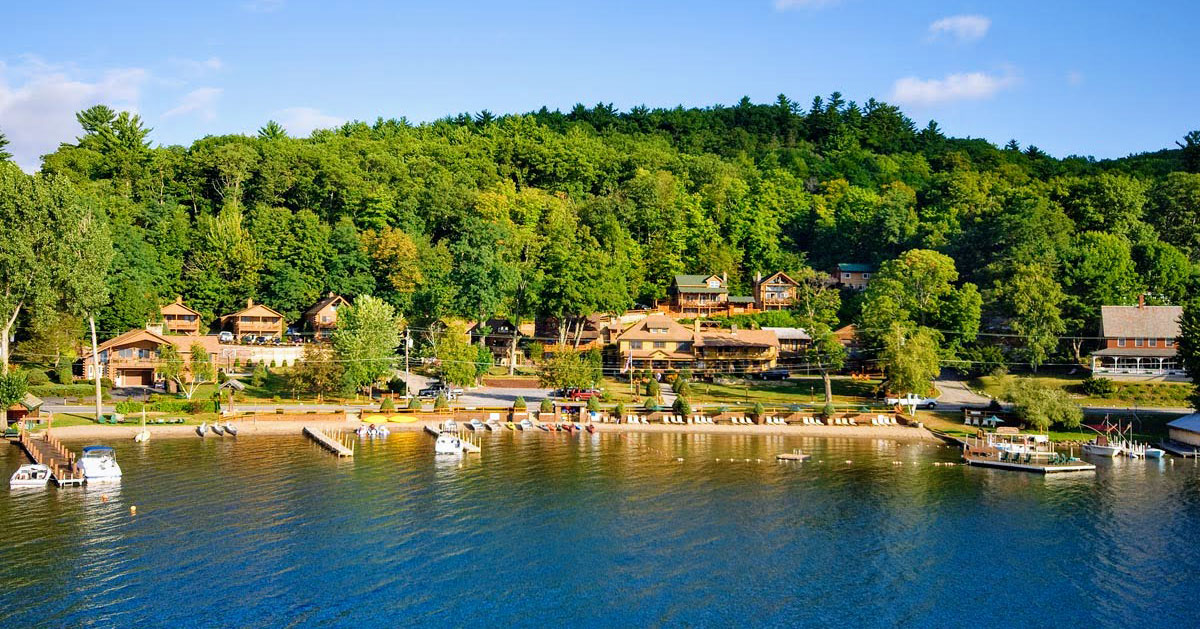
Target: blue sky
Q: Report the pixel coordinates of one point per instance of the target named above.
(1089, 78)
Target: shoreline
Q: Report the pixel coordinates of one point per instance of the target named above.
(287, 427)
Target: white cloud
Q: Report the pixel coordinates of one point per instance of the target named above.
(38, 102)
(302, 121)
(963, 28)
(954, 87)
(198, 66)
(785, 5)
(201, 101)
(262, 6)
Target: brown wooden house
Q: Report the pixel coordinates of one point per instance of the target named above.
(178, 318)
(853, 275)
(321, 319)
(775, 292)
(132, 359)
(1139, 340)
(254, 320)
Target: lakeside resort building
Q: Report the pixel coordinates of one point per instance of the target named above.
(661, 343)
(1139, 340)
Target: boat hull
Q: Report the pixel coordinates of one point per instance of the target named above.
(1104, 451)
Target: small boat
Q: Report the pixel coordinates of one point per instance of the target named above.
(544, 427)
(1100, 446)
(476, 425)
(99, 464)
(591, 428)
(448, 444)
(1153, 453)
(525, 425)
(510, 426)
(229, 428)
(217, 430)
(202, 429)
(492, 425)
(143, 435)
(30, 475)
(382, 432)
(579, 427)
(450, 426)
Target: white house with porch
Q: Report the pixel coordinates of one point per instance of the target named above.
(1139, 340)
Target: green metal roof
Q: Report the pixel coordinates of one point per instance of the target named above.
(692, 280)
(738, 299)
(854, 267)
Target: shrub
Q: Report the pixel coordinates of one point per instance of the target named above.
(63, 373)
(759, 410)
(650, 405)
(653, 389)
(36, 377)
(829, 410)
(593, 404)
(606, 396)
(682, 406)
(1098, 387)
(387, 404)
(196, 407)
(546, 406)
(260, 375)
(441, 403)
(414, 404)
(682, 387)
(519, 404)
(396, 385)
(619, 411)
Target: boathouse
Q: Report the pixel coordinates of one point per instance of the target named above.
(1185, 430)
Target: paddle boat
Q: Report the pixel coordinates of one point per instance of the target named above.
(217, 430)
(476, 425)
(525, 425)
(510, 426)
(591, 428)
(30, 475)
(229, 428)
(99, 464)
(202, 429)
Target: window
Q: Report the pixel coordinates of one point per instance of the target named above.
(714, 283)
(1168, 342)
(1137, 342)
(683, 347)
(660, 344)
(657, 330)
(1120, 342)
(847, 276)
(635, 345)
(866, 276)
(1153, 342)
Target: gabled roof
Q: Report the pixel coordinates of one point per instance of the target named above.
(740, 299)
(1151, 322)
(699, 284)
(177, 307)
(133, 336)
(779, 277)
(253, 309)
(855, 267)
(495, 324)
(183, 343)
(329, 299)
(640, 331)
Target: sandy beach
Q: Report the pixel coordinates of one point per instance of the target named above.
(287, 427)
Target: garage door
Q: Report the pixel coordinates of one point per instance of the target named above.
(136, 377)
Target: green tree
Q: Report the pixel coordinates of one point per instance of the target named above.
(918, 287)
(1041, 406)
(272, 131)
(4, 154)
(1189, 347)
(567, 369)
(13, 385)
(188, 375)
(456, 357)
(681, 406)
(1031, 299)
(910, 359)
(365, 341)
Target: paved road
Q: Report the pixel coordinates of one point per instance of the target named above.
(955, 392)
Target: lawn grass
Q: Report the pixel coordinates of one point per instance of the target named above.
(1127, 395)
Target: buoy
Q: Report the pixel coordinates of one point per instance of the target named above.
(103, 498)
(132, 509)
(848, 462)
(680, 459)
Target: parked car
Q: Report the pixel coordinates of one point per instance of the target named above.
(247, 339)
(772, 374)
(225, 337)
(582, 395)
(434, 391)
(913, 400)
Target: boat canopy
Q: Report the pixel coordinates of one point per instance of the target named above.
(97, 449)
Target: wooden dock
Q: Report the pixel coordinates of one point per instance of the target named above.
(1179, 449)
(48, 451)
(336, 441)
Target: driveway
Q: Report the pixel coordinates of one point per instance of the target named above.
(955, 392)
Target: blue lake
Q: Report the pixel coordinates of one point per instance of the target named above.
(628, 530)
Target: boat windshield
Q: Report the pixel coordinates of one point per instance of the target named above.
(97, 452)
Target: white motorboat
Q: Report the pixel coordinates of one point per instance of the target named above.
(1153, 453)
(493, 425)
(99, 464)
(450, 426)
(30, 475)
(525, 425)
(448, 444)
(1101, 447)
(476, 425)
(143, 435)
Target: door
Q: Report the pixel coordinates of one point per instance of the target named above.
(136, 377)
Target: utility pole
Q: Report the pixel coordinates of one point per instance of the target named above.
(407, 344)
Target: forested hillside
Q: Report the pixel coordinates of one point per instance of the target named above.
(594, 210)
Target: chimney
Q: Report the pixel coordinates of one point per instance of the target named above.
(724, 278)
(1141, 301)
(696, 325)
(249, 302)
(179, 299)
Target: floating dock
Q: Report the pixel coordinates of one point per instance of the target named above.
(793, 456)
(335, 441)
(1179, 449)
(1032, 466)
(48, 451)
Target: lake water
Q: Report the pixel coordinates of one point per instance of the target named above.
(627, 530)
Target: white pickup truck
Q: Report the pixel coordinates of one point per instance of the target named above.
(913, 400)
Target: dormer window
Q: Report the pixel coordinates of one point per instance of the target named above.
(1120, 342)
(714, 283)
